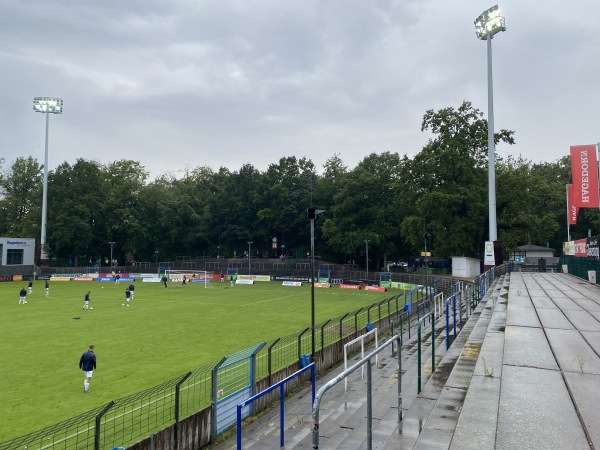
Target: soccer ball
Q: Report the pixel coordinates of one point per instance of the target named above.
(122, 304)
(91, 307)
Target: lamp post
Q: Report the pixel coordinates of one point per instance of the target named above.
(47, 106)
(367, 244)
(111, 252)
(425, 236)
(313, 214)
(487, 25)
(249, 255)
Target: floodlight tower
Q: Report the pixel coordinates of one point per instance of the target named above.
(47, 106)
(367, 244)
(313, 214)
(249, 254)
(111, 252)
(487, 25)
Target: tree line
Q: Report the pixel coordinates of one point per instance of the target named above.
(438, 198)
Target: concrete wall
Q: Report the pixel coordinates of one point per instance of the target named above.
(194, 433)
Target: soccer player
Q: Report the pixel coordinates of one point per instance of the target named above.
(117, 278)
(127, 296)
(132, 290)
(22, 296)
(184, 282)
(164, 280)
(87, 363)
(47, 288)
(222, 277)
(86, 301)
(30, 286)
(231, 281)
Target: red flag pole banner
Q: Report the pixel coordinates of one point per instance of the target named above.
(584, 171)
(572, 208)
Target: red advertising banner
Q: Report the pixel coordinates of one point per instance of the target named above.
(356, 287)
(581, 250)
(573, 208)
(584, 171)
(375, 288)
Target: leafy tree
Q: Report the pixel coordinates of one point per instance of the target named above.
(365, 208)
(21, 198)
(76, 208)
(447, 182)
(531, 202)
(123, 183)
(288, 193)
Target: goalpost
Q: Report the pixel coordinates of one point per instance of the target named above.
(385, 279)
(192, 276)
(232, 273)
(324, 276)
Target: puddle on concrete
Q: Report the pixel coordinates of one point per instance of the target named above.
(442, 373)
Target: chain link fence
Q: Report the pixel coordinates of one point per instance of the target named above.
(128, 420)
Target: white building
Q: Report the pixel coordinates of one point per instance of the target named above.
(464, 267)
(17, 251)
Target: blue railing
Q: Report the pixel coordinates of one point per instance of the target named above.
(279, 385)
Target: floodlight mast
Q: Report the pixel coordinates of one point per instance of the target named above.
(313, 214)
(249, 255)
(46, 105)
(489, 23)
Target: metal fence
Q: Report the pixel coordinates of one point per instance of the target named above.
(128, 420)
(579, 267)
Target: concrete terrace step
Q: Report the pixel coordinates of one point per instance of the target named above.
(431, 420)
(540, 396)
(343, 414)
(476, 426)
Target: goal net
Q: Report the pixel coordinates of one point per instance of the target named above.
(324, 275)
(232, 273)
(385, 279)
(191, 276)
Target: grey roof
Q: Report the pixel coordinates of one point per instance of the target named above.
(533, 248)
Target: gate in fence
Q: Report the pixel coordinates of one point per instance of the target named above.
(234, 381)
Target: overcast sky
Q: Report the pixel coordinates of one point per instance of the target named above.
(178, 83)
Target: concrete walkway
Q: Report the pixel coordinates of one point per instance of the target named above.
(546, 389)
(523, 373)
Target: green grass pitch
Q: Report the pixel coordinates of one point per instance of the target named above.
(164, 334)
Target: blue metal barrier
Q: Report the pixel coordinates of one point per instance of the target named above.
(279, 385)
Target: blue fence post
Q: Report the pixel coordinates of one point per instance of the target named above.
(409, 320)
(281, 416)
(239, 427)
(447, 324)
(281, 384)
(454, 314)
